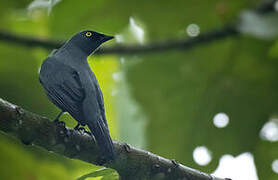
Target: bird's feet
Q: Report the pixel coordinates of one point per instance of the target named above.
(59, 123)
(77, 127)
(81, 129)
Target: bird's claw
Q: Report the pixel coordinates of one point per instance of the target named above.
(82, 130)
(87, 132)
(77, 127)
(60, 123)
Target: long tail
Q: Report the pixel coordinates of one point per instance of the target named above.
(101, 134)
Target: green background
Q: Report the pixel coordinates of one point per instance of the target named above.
(162, 102)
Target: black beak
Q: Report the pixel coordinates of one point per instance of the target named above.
(107, 38)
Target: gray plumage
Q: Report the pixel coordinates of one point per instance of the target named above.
(72, 86)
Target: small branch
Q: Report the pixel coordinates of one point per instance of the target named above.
(183, 44)
(131, 163)
(266, 6)
(29, 41)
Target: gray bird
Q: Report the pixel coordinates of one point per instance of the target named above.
(72, 86)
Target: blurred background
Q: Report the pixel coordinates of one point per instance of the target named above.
(212, 107)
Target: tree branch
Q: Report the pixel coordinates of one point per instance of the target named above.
(266, 6)
(130, 163)
(183, 44)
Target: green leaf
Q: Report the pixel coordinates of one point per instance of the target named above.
(104, 172)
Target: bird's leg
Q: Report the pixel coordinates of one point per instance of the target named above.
(56, 120)
(87, 132)
(77, 126)
(81, 129)
(58, 117)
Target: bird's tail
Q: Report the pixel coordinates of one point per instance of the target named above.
(104, 141)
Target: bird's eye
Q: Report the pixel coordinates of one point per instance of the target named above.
(88, 34)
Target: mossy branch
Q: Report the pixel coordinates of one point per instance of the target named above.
(130, 163)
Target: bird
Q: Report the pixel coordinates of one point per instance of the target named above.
(71, 85)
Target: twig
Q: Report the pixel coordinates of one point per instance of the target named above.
(131, 163)
(183, 44)
(266, 6)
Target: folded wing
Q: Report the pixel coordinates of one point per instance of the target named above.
(63, 87)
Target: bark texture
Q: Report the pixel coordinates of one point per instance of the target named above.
(130, 163)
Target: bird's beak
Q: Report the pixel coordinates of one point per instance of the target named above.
(107, 38)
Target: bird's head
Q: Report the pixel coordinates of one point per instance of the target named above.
(88, 41)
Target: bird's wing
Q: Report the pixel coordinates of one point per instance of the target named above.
(93, 109)
(99, 98)
(63, 87)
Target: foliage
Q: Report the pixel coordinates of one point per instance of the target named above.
(104, 172)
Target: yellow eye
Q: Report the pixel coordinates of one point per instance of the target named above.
(88, 34)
